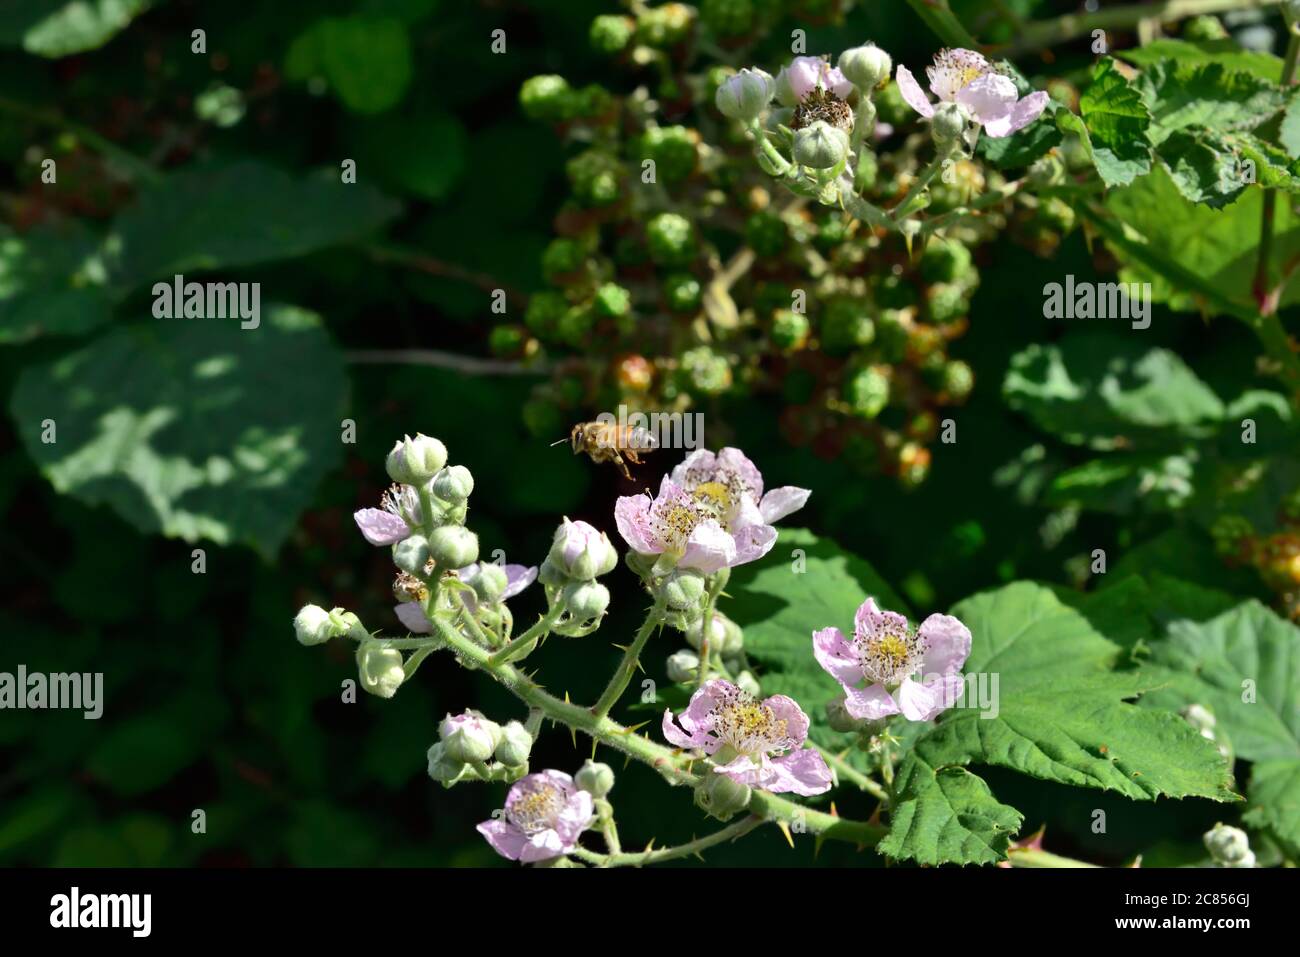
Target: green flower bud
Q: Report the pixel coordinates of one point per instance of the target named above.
(820, 146)
(866, 67)
(747, 683)
(515, 745)
(640, 565)
(683, 666)
(507, 340)
(595, 176)
(412, 554)
(595, 778)
(705, 371)
(1207, 27)
(720, 797)
(488, 580)
(846, 326)
(610, 33)
(1229, 846)
(443, 768)
(453, 484)
(581, 552)
(380, 668)
(684, 588)
(838, 717)
(313, 625)
(745, 95)
(562, 257)
(586, 599)
(664, 26)
(469, 737)
(670, 238)
(453, 546)
(728, 18)
(414, 461)
(948, 125)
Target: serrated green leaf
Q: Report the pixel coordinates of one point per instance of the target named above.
(1227, 53)
(1117, 121)
(947, 816)
(192, 428)
(1021, 148)
(1206, 95)
(1214, 168)
(238, 214)
(1127, 483)
(1107, 392)
(1274, 795)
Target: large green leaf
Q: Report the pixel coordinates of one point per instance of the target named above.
(58, 28)
(1227, 53)
(1117, 121)
(366, 60)
(1061, 715)
(52, 282)
(1244, 665)
(1109, 392)
(193, 428)
(1206, 95)
(780, 608)
(238, 214)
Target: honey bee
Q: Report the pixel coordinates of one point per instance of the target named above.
(611, 442)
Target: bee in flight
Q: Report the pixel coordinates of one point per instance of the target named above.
(611, 442)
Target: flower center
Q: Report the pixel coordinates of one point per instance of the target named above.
(890, 654)
(955, 69)
(674, 521)
(823, 105)
(537, 809)
(749, 726)
(713, 498)
(404, 502)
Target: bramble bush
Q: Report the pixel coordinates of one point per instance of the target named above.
(997, 296)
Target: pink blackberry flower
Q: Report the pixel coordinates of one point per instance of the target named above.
(543, 818)
(395, 520)
(710, 513)
(755, 743)
(886, 654)
(968, 79)
(808, 73)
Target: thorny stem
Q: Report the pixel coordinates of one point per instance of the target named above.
(706, 625)
(670, 764)
(1033, 857)
(522, 645)
(631, 658)
(638, 858)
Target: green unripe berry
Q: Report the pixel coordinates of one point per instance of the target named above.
(612, 300)
(958, 380)
(766, 233)
(544, 311)
(664, 26)
(846, 326)
(867, 391)
(728, 18)
(670, 238)
(575, 325)
(682, 292)
(610, 33)
(706, 371)
(548, 98)
(562, 257)
(891, 108)
(789, 329)
(595, 177)
(507, 340)
(673, 150)
(891, 336)
(945, 262)
(946, 303)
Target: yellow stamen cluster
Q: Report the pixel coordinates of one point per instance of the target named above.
(891, 653)
(537, 809)
(749, 726)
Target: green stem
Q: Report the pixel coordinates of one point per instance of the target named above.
(706, 628)
(1031, 857)
(669, 763)
(1267, 296)
(851, 774)
(627, 667)
(637, 859)
(938, 16)
(904, 208)
(522, 645)
(1062, 29)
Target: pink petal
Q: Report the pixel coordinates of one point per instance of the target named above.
(921, 701)
(575, 817)
(780, 502)
(912, 92)
(801, 772)
(701, 460)
(753, 542)
(543, 846)
(709, 548)
(871, 620)
(506, 839)
(632, 516)
(947, 644)
(411, 615)
(788, 710)
(835, 81)
(803, 74)
(381, 527)
(836, 656)
(734, 460)
(1024, 113)
(675, 735)
(988, 98)
(870, 704)
(518, 577)
(744, 770)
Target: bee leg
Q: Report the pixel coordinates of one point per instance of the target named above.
(622, 466)
(633, 456)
